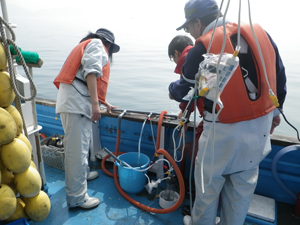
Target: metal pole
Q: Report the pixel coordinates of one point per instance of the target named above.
(5, 17)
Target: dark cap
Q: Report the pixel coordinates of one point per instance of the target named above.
(198, 9)
(109, 36)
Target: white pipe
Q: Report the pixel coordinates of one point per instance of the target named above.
(5, 17)
(274, 170)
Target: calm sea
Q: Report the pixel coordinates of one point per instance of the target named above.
(141, 71)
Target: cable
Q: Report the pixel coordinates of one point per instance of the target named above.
(280, 110)
(214, 106)
(143, 170)
(192, 159)
(140, 138)
(182, 138)
(213, 33)
(151, 126)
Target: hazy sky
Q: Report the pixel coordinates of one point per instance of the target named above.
(275, 18)
(263, 10)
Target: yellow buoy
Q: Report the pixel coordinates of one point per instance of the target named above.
(17, 117)
(28, 183)
(8, 202)
(2, 167)
(8, 129)
(3, 58)
(7, 95)
(38, 207)
(8, 179)
(23, 138)
(16, 156)
(19, 212)
(33, 165)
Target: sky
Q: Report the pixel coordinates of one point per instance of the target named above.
(266, 12)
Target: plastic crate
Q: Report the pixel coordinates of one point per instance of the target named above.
(53, 156)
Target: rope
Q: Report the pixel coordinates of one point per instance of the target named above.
(6, 42)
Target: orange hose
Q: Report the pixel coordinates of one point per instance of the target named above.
(107, 156)
(103, 166)
(43, 135)
(161, 117)
(159, 151)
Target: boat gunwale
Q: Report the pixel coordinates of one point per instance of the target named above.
(171, 121)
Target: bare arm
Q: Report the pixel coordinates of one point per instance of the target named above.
(92, 86)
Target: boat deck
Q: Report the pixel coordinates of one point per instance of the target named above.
(114, 209)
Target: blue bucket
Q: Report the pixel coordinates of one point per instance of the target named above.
(130, 180)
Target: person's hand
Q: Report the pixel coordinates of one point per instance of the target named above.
(180, 115)
(275, 123)
(96, 112)
(110, 107)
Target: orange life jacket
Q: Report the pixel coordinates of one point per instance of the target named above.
(237, 104)
(71, 66)
(181, 60)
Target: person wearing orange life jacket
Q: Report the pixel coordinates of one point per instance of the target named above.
(242, 130)
(82, 86)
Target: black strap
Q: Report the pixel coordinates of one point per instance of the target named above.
(82, 81)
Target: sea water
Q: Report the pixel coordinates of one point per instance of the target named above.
(141, 72)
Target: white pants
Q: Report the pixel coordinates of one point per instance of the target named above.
(232, 164)
(77, 140)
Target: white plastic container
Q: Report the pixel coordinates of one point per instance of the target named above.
(167, 204)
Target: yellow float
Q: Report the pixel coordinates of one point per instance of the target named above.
(8, 202)
(23, 138)
(19, 212)
(28, 183)
(16, 156)
(33, 165)
(8, 179)
(8, 129)
(7, 94)
(2, 167)
(3, 58)
(16, 116)
(38, 207)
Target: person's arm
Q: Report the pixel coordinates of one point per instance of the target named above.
(281, 89)
(280, 85)
(92, 86)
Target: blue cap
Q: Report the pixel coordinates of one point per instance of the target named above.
(109, 36)
(198, 9)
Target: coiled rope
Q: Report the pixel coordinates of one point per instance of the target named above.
(6, 42)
